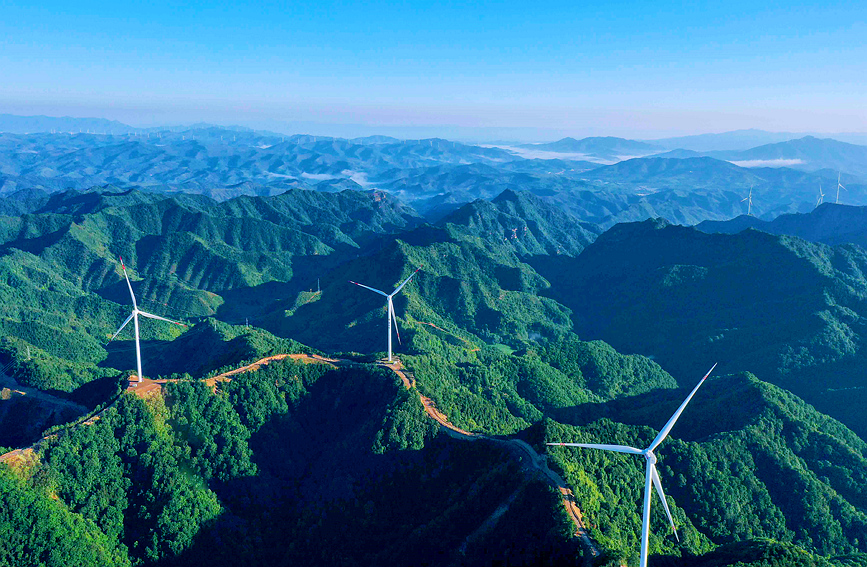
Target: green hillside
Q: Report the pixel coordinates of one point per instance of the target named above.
(748, 460)
(292, 453)
(522, 220)
(467, 285)
(495, 329)
(829, 223)
(189, 257)
(788, 310)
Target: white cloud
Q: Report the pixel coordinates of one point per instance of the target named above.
(768, 162)
(528, 153)
(319, 176)
(359, 177)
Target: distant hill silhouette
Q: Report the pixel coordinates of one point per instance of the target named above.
(828, 223)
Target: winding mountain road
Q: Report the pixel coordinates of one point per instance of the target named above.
(534, 462)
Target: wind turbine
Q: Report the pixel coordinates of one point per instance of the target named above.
(650, 474)
(839, 186)
(134, 317)
(821, 196)
(749, 200)
(390, 315)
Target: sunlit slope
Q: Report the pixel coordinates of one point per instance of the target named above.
(188, 257)
(466, 285)
(524, 222)
(272, 468)
(746, 460)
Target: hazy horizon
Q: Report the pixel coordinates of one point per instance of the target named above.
(489, 135)
(632, 70)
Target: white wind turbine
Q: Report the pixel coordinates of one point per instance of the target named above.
(839, 186)
(821, 196)
(134, 317)
(650, 469)
(390, 315)
(749, 200)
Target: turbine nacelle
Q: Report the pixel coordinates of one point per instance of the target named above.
(134, 318)
(839, 186)
(390, 316)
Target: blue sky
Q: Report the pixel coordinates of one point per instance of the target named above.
(639, 69)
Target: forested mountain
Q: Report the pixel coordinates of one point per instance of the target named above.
(199, 160)
(532, 226)
(747, 455)
(775, 190)
(435, 176)
(63, 294)
(735, 140)
(467, 285)
(281, 459)
(788, 310)
(271, 470)
(829, 223)
(32, 124)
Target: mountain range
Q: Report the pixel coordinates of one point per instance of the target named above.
(486, 332)
(788, 310)
(437, 176)
(599, 148)
(553, 303)
(828, 223)
(808, 153)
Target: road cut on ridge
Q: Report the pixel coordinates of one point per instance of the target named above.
(534, 460)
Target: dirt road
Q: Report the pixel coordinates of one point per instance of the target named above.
(148, 387)
(534, 462)
(15, 389)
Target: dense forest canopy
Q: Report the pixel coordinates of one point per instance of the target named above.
(525, 323)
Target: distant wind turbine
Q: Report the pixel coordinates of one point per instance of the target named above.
(821, 196)
(650, 474)
(134, 317)
(749, 199)
(390, 315)
(839, 186)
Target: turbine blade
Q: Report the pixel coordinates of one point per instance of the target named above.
(658, 484)
(152, 316)
(665, 430)
(406, 281)
(129, 285)
(394, 318)
(370, 288)
(615, 448)
(128, 319)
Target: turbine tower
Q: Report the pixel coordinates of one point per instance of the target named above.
(749, 200)
(839, 186)
(821, 196)
(390, 315)
(134, 317)
(650, 475)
